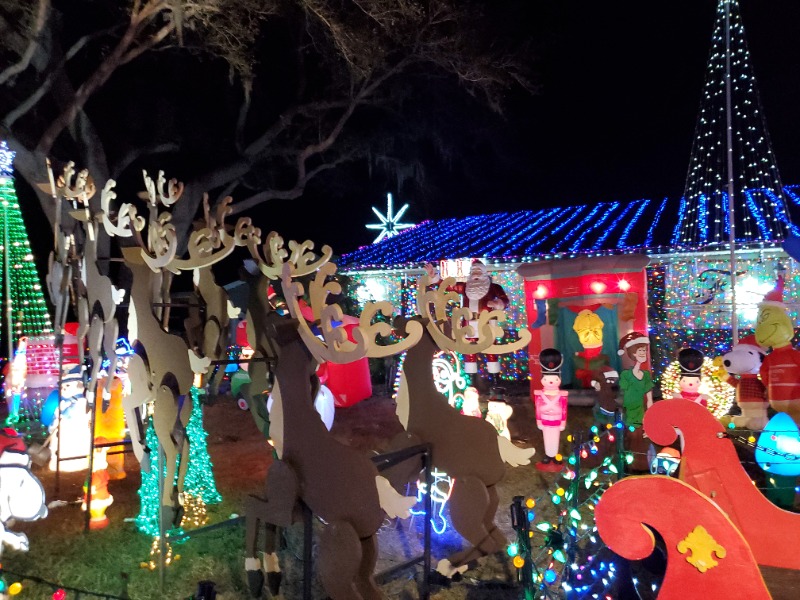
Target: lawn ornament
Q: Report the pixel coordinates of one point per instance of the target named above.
(780, 371)
(742, 365)
(309, 459)
(710, 464)
(96, 298)
(467, 449)
(498, 413)
(589, 328)
(21, 493)
(163, 367)
(101, 499)
(637, 396)
(479, 295)
(707, 556)
(551, 409)
(691, 364)
(71, 434)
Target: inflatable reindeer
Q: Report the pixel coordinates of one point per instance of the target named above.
(467, 449)
(339, 484)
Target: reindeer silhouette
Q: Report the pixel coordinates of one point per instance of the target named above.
(339, 484)
(466, 448)
(96, 298)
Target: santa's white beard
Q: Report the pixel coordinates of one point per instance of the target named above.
(478, 288)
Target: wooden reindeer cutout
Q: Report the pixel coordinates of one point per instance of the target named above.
(212, 330)
(96, 297)
(710, 464)
(163, 367)
(338, 483)
(707, 557)
(466, 448)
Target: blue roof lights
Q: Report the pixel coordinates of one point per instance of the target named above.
(599, 228)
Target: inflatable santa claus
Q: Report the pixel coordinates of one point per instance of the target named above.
(478, 294)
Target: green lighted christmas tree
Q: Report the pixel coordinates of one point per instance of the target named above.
(199, 481)
(22, 288)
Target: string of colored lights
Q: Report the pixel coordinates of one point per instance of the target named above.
(755, 166)
(59, 591)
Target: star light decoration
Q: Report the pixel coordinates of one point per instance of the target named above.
(390, 224)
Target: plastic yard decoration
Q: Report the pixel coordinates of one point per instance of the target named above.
(778, 447)
(710, 464)
(707, 556)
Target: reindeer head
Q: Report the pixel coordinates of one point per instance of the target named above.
(454, 332)
(335, 346)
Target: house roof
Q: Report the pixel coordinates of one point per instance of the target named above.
(653, 226)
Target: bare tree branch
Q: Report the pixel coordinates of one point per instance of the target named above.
(25, 60)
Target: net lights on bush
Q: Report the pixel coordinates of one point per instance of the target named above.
(720, 394)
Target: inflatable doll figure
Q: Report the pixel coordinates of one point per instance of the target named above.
(691, 363)
(742, 365)
(589, 328)
(637, 396)
(551, 409)
(780, 371)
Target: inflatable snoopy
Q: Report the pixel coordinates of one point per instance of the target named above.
(21, 493)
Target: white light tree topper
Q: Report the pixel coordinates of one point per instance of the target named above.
(390, 223)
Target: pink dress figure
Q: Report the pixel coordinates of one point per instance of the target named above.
(691, 363)
(551, 409)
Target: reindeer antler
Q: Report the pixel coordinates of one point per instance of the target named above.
(124, 225)
(212, 243)
(155, 193)
(336, 347)
(274, 255)
(82, 189)
(463, 338)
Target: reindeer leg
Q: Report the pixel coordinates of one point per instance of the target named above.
(470, 504)
(365, 581)
(83, 327)
(211, 335)
(183, 417)
(340, 558)
(110, 332)
(164, 420)
(132, 405)
(489, 515)
(254, 508)
(95, 339)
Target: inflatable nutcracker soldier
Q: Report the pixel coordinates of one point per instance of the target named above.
(691, 364)
(551, 409)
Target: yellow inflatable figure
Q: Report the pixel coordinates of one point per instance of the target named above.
(780, 371)
(589, 328)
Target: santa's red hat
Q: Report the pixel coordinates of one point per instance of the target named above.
(631, 339)
(749, 343)
(775, 296)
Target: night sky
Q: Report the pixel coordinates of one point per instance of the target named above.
(614, 119)
(619, 91)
